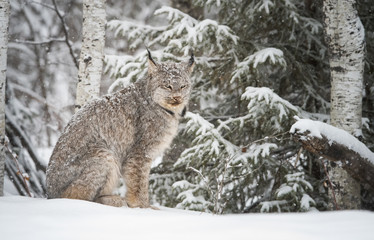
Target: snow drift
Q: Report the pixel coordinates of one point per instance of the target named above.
(31, 218)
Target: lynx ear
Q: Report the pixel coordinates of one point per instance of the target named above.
(152, 65)
(191, 63)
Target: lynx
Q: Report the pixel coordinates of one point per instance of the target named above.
(118, 136)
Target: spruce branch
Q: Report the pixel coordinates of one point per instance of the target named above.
(276, 137)
(206, 182)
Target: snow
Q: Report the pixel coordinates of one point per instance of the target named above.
(253, 152)
(205, 129)
(256, 94)
(266, 4)
(284, 190)
(31, 218)
(305, 201)
(273, 55)
(333, 134)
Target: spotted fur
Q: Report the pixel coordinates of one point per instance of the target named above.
(118, 136)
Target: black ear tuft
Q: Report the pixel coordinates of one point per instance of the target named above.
(150, 56)
(191, 63)
(192, 60)
(152, 65)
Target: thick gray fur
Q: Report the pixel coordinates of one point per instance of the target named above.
(118, 136)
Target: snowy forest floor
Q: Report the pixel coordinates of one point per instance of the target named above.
(31, 218)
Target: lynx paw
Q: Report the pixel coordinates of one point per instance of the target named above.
(111, 200)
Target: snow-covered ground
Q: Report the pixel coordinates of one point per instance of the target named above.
(31, 218)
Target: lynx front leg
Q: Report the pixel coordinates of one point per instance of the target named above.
(136, 174)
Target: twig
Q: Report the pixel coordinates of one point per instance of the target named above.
(220, 187)
(330, 185)
(24, 141)
(19, 172)
(220, 184)
(43, 4)
(249, 173)
(298, 156)
(49, 41)
(204, 179)
(66, 33)
(266, 138)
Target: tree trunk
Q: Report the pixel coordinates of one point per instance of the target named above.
(344, 35)
(4, 23)
(92, 51)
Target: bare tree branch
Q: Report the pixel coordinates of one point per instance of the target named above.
(25, 142)
(49, 41)
(19, 172)
(65, 29)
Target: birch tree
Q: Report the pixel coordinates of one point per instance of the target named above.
(92, 51)
(4, 21)
(344, 35)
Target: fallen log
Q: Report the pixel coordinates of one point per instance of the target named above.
(338, 146)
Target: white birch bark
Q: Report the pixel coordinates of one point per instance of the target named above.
(344, 34)
(92, 51)
(4, 23)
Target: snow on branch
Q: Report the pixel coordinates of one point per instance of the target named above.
(126, 69)
(255, 151)
(182, 32)
(211, 141)
(196, 31)
(264, 5)
(137, 32)
(266, 110)
(190, 196)
(266, 95)
(207, 137)
(294, 191)
(272, 55)
(336, 145)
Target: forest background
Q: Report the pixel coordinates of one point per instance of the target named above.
(259, 63)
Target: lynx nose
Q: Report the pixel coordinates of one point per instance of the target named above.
(177, 98)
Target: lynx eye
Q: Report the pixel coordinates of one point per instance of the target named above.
(169, 87)
(183, 86)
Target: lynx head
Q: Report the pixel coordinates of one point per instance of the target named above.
(169, 84)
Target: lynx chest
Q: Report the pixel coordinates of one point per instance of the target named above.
(164, 133)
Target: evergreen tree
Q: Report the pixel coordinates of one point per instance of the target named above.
(237, 155)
